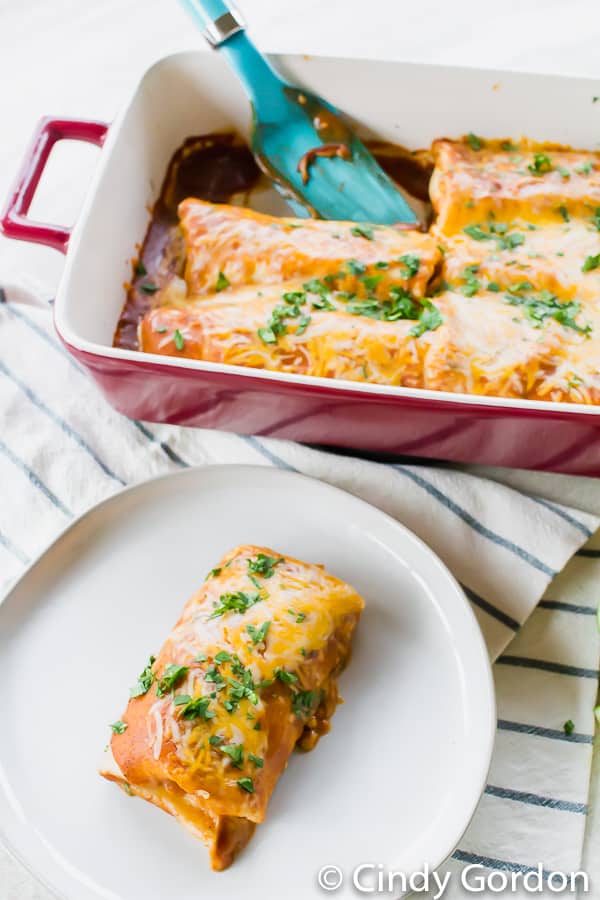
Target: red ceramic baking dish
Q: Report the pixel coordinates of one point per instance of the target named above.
(403, 103)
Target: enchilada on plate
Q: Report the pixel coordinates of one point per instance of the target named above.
(248, 673)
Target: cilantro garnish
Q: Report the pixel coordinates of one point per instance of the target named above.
(569, 726)
(118, 727)
(564, 212)
(222, 282)
(584, 168)
(258, 634)
(429, 319)
(246, 784)
(304, 703)
(198, 709)
(264, 565)
(411, 263)
(355, 267)
(547, 306)
(475, 143)
(239, 601)
(213, 573)
(140, 269)
(144, 682)
(170, 677)
(476, 232)
(215, 740)
(591, 262)
(258, 761)
(148, 288)
(363, 231)
(284, 676)
(178, 339)
(541, 164)
(235, 752)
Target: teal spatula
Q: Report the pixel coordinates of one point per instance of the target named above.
(299, 140)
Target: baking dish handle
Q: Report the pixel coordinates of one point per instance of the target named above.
(14, 222)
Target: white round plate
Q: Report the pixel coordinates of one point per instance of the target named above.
(395, 782)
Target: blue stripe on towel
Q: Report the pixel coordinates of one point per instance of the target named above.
(12, 548)
(567, 607)
(563, 514)
(491, 862)
(491, 610)
(164, 447)
(35, 480)
(64, 426)
(272, 457)
(473, 523)
(547, 666)
(552, 733)
(535, 799)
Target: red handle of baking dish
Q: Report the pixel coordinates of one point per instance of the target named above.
(14, 222)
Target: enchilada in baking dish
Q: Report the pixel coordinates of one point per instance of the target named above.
(248, 673)
(500, 297)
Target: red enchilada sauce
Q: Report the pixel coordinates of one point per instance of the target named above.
(216, 168)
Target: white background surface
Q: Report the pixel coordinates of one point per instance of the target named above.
(82, 59)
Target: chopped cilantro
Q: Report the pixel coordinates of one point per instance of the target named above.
(235, 752)
(541, 164)
(285, 676)
(584, 168)
(429, 319)
(382, 264)
(264, 565)
(569, 726)
(363, 231)
(303, 323)
(476, 232)
(246, 784)
(118, 727)
(355, 267)
(222, 656)
(508, 147)
(564, 173)
(198, 709)
(214, 572)
(202, 657)
(267, 335)
(411, 263)
(239, 601)
(475, 143)
(148, 288)
(304, 703)
(144, 682)
(493, 286)
(181, 699)
(170, 677)
(140, 269)
(591, 262)
(510, 241)
(215, 740)
(222, 282)
(178, 339)
(258, 761)
(258, 634)
(161, 329)
(547, 306)
(564, 212)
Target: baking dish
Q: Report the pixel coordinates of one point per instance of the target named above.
(403, 103)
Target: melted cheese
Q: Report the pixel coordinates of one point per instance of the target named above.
(259, 689)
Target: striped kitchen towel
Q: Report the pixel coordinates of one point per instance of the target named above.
(518, 556)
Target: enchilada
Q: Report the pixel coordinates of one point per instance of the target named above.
(247, 674)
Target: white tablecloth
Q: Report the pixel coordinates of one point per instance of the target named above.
(68, 58)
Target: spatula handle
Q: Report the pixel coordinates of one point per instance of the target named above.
(224, 29)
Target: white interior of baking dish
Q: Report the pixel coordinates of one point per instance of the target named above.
(195, 93)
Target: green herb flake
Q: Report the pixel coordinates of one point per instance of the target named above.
(222, 282)
(303, 323)
(118, 727)
(476, 232)
(284, 676)
(509, 147)
(213, 573)
(541, 164)
(411, 263)
(382, 264)
(178, 339)
(569, 726)
(267, 335)
(264, 565)
(170, 678)
(564, 212)
(258, 635)
(215, 740)
(222, 657)
(202, 657)
(363, 231)
(235, 752)
(591, 262)
(198, 709)
(493, 286)
(355, 267)
(258, 761)
(161, 329)
(182, 699)
(140, 269)
(584, 168)
(564, 173)
(304, 703)
(144, 682)
(429, 319)
(148, 288)
(246, 784)
(239, 602)
(475, 143)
